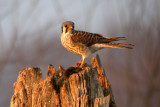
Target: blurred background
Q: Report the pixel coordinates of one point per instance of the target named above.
(30, 37)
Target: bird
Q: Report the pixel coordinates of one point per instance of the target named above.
(85, 43)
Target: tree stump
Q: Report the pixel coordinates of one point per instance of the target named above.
(73, 87)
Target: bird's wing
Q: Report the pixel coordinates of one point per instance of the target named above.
(87, 38)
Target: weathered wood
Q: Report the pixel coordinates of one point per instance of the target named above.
(73, 87)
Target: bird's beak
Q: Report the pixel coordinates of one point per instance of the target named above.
(71, 27)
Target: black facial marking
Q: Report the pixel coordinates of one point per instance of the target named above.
(62, 28)
(66, 30)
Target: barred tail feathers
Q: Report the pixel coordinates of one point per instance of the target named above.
(113, 45)
(119, 45)
(115, 38)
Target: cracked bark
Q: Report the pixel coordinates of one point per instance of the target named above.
(76, 87)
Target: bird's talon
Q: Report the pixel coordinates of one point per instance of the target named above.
(83, 65)
(78, 63)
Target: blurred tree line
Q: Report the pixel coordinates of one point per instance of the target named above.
(30, 36)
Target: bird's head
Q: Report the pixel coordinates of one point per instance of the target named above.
(67, 27)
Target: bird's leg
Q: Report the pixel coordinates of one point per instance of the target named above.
(82, 61)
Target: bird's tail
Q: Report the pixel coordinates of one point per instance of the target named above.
(119, 45)
(115, 38)
(110, 43)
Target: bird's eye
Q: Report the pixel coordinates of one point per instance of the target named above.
(65, 26)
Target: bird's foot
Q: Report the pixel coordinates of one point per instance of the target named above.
(79, 63)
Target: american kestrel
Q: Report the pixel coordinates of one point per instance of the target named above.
(85, 43)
